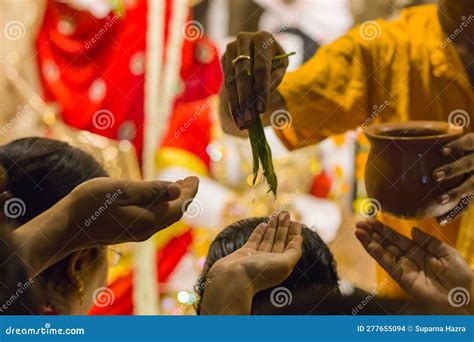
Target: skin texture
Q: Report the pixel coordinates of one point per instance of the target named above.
(426, 268)
(59, 237)
(249, 83)
(143, 209)
(463, 149)
(266, 260)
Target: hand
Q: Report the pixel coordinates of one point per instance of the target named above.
(266, 260)
(102, 211)
(463, 149)
(250, 83)
(426, 268)
(110, 211)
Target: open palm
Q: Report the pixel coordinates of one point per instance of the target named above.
(426, 268)
(269, 255)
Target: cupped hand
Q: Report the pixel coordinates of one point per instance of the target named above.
(269, 255)
(251, 78)
(462, 149)
(429, 270)
(109, 211)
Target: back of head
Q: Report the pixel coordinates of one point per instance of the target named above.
(314, 275)
(41, 171)
(37, 173)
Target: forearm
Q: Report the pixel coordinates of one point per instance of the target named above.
(45, 239)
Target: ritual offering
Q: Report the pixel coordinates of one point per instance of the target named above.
(261, 151)
(400, 166)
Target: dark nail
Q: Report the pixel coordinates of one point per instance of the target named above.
(446, 151)
(440, 175)
(444, 199)
(239, 121)
(261, 106)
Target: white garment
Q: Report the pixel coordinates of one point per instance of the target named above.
(322, 20)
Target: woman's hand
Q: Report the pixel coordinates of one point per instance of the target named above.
(111, 211)
(251, 75)
(102, 211)
(463, 149)
(266, 260)
(427, 269)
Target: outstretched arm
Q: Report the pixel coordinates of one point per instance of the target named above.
(102, 211)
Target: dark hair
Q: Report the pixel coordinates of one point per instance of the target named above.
(316, 270)
(18, 292)
(42, 171)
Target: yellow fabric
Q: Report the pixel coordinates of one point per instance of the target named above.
(407, 69)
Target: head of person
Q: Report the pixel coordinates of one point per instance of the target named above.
(313, 280)
(37, 173)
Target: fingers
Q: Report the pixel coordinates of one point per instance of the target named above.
(281, 233)
(244, 78)
(293, 248)
(142, 193)
(177, 207)
(459, 146)
(257, 236)
(262, 69)
(429, 243)
(384, 257)
(387, 236)
(231, 85)
(269, 237)
(460, 167)
(461, 194)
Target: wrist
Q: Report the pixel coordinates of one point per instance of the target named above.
(227, 292)
(47, 238)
